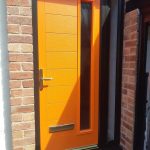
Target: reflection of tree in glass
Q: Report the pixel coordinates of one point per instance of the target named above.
(86, 31)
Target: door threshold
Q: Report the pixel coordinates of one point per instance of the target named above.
(90, 147)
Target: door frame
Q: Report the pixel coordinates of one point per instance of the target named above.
(104, 78)
(102, 100)
(36, 75)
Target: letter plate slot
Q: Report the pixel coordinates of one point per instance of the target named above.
(60, 128)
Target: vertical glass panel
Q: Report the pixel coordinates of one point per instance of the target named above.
(86, 21)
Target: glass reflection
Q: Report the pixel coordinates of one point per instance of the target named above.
(86, 20)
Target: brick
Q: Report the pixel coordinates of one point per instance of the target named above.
(13, 19)
(126, 36)
(132, 80)
(124, 91)
(131, 93)
(22, 20)
(18, 148)
(129, 72)
(22, 109)
(130, 121)
(130, 108)
(15, 84)
(126, 65)
(16, 93)
(28, 92)
(129, 113)
(130, 100)
(25, 11)
(26, 48)
(28, 84)
(15, 38)
(26, 20)
(126, 52)
(13, 28)
(17, 134)
(124, 78)
(23, 126)
(131, 29)
(130, 58)
(131, 43)
(14, 67)
(29, 141)
(133, 51)
(27, 66)
(29, 147)
(12, 2)
(126, 125)
(134, 35)
(16, 117)
(28, 117)
(18, 143)
(21, 75)
(12, 10)
(25, 2)
(122, 141)
(16, 101)
(14, 47)
(26, 29)
(132, 65)
(28, 100)
(20, 57)
(129, 86)
(127, 138)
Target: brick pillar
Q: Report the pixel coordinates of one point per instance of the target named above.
(19, 15)
(129, 79)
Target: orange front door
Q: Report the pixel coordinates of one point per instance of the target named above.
(68, 43)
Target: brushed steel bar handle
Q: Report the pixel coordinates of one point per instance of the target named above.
(50, 78)
(41, 78)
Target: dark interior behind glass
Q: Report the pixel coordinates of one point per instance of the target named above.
(86, 20)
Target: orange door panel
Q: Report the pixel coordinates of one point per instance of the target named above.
(67, 60)
(59, 43)
(63, 7)
(66, 42)
(61, 24)
(63, 96)
(69, 77)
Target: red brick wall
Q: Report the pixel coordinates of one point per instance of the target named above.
(129, 79)
(21, 73)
